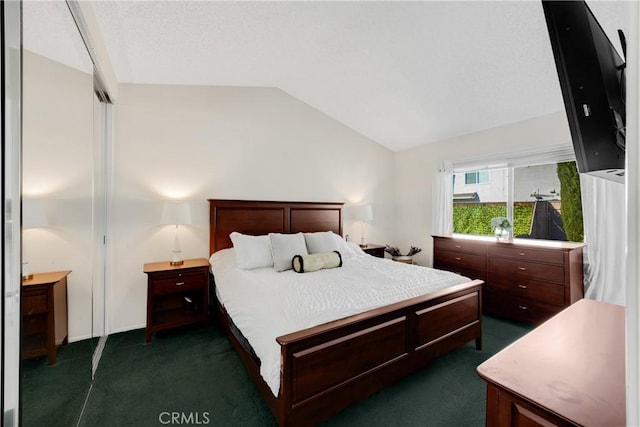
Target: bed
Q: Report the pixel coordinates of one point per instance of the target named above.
(326, 368)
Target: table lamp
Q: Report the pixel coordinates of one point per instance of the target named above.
(33, 216)
(176, 213)
(363, 214)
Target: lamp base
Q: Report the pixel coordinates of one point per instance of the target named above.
(176, 257)
(26, 274)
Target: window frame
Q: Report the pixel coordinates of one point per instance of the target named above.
(509, 161)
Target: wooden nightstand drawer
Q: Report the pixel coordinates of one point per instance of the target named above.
(524, 253)
(178, 283)
(527, 288)
(34, 303)
(512, 267)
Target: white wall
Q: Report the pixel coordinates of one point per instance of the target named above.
(192, 142)
(57, 168)
(415, 170)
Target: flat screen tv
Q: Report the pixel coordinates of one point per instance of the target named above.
(592, 80)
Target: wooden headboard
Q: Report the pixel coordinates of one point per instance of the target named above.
(260, 217)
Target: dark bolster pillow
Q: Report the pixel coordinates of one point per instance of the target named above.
(314, 262)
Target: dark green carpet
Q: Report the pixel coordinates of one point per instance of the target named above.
(53, 395)
(197, 373)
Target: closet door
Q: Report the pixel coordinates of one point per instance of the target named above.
(10, 213)
(58, 214)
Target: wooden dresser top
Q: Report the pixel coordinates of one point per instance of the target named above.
(545, 244)
(573, 365)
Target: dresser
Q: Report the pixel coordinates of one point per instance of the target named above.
(176, 295)
(570, 371)
(44, 314)
(525, 280)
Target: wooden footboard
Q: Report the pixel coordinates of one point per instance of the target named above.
(329, 367)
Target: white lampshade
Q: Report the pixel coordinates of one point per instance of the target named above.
(33, 214)
(363, 213)
(176, 213)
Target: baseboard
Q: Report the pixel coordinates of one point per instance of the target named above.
(80, 338)
(128, 328)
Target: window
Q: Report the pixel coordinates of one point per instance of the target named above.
(541, 201)
(477, 177)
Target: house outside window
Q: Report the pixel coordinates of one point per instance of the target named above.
(541, 201)
(477, 177)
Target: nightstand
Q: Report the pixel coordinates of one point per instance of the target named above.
(44, 314)
(374, 250)
(176, 295)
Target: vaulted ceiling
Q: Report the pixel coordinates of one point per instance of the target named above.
(400, 73)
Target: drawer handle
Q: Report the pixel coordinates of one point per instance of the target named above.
(522, 307)
(522, 286)
(522, 268)
(523, 253)
(458, 258)
(179, 283)
(458, 246)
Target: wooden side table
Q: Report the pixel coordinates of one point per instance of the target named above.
(570, 371)
(374, 250)
(44, 314)
(176, 295)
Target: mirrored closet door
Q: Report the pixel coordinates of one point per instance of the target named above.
(58, 202)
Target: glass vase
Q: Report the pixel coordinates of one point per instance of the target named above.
(502, 233)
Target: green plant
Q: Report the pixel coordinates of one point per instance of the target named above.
(571, 213)
(475, 218)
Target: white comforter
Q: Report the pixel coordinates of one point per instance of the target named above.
(264, 304)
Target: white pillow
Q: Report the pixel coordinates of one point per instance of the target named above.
(320, 242)
(284, 247)
(252, 251)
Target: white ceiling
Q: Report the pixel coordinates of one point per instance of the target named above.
(401, 73)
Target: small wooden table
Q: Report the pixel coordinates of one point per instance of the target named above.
(44, 314)
(374, 250)
(570, 371)
(176, 295)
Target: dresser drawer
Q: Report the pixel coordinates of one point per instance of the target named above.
(525, 253)
(527, 288)
(518, 308)
(469, 265)
(468, 261)
(179, 282)
(512, 267)
(460, 245)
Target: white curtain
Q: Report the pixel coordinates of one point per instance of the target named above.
(605, 233)
(442, 215)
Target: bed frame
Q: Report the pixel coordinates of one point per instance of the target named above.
(328, 367)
